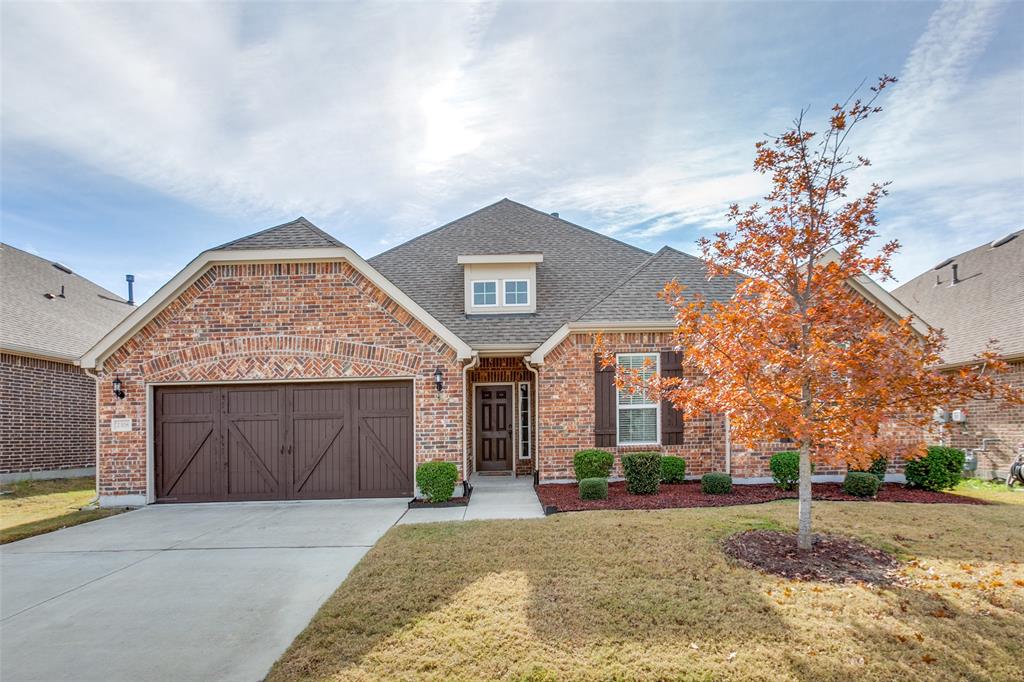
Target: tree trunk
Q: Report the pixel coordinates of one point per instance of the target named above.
(803, 538)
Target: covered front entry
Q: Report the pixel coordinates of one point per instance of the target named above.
(283, 441)
(494, 428)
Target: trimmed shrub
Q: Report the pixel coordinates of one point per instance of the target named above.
(877, 468)
(785, 468)
(592, 464)
(594, 489)
(861, 484)
(437, 480)
(940, 469)
(673, 469)
(643, 472)
(716, 484)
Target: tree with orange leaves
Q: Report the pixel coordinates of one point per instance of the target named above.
(797, 353)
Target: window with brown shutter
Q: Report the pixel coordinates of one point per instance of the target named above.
(671, 420)
(604, 404)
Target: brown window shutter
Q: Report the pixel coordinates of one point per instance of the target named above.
(671, 420)
(604, 405)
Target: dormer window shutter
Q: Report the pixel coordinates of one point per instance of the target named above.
(671, 419)
(604, 405)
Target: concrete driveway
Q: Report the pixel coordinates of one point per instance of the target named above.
(184, 592)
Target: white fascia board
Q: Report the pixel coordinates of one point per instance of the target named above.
(616, 326)
(499, 258)
(143, 314)
(491, 350)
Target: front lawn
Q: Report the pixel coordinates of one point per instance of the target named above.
(33, 507)
(990, 491)
(649, 595)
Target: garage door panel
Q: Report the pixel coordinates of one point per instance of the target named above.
(320, 465)
(284, 441)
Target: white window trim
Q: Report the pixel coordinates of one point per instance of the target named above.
(472, 292)
(529, 420)
(504, 293)
(656, 405)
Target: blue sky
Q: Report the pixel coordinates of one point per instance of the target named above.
(136, 135)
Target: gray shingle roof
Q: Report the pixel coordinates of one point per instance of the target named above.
(636, 298)
(297, 234)
(986, 303)
(579, 266)
(59, 327)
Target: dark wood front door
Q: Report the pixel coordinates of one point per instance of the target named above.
(494, 428)
(283, 441)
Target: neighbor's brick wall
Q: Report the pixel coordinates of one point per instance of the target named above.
(47, 415)
(994, 424)
(500, 370)
(567, 409)
(277, 322)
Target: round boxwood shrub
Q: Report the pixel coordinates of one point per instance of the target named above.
(716, 484)
(785, 468)
(437, 480)
(673, 469)
(861, 484)
(877, 468)
(594, 489)
(643, 472)
(592, 464)
(940, 469)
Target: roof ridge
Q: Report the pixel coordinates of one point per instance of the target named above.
(438, 228)
(578, 227)
(631, 275)
(301, 220)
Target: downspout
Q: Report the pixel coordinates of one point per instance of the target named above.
(536, 418)
(465, 422)
(728, 445)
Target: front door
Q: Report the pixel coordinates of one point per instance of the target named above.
(493, 428)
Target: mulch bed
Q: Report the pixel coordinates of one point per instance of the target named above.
(563, 497)
(832, 558)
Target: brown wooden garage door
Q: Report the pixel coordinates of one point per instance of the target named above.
(283, 441)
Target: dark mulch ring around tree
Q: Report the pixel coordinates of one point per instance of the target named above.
(564, 497)
(832, 558)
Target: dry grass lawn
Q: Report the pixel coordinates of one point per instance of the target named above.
(34, 507)
(648, 595)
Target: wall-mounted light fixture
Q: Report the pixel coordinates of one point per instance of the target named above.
(438, 379)
(118, 388)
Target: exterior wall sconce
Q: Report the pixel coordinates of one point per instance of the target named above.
(118, 389)
(438, 379)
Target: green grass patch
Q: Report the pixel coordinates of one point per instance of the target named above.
(34, 507)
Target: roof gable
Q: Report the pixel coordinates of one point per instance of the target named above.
(38, 320)
(296, 234)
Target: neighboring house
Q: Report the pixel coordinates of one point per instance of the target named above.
(283, 365)
(975, 297)
(49, 316)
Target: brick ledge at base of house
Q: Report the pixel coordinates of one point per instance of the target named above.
(47, 475)
(753, 480)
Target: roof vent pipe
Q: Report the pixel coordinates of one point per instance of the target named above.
(131, 294)
(956, 280)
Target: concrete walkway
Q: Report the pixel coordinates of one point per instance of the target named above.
(178, 592)
(494, 497)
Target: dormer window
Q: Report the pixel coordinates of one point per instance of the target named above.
(517, 292)
(501, 283)
(485, 293)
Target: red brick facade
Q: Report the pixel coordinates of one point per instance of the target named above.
(567, 409)
(276, 322)
(993, 428)
(47, 416)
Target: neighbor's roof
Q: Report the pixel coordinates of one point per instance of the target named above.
(986, 303)
(297, 234)
(61, 328)
(636, 298)
(579, 266)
